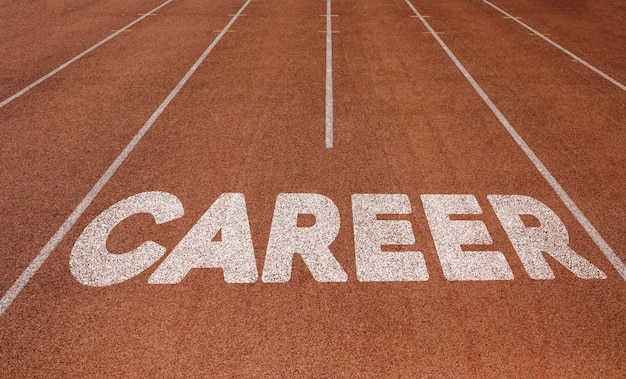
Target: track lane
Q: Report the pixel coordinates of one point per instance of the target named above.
(76, 124)
(595, 29)
(40, 36)
(406, 122)
(569, 115)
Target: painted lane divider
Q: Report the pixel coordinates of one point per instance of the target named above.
(36, 263)
(64, 65)
(329, 128)
(92, 264)
(551, 42)
(606, 249)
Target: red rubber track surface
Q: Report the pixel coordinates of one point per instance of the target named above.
(251, 120)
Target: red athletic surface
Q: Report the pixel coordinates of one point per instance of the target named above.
(251, 120)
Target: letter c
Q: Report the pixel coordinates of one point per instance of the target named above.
(90, 261)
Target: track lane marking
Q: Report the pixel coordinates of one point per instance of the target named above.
(576, 57)
(43, 255)
(329, 78)
(606, 249)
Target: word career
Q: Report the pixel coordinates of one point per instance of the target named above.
(93, 265)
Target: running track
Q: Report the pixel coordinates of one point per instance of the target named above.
(253, 118)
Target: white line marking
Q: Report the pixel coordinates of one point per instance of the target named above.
(329, 78)
(32, 268)
(577, 58)
(569, 203)
(64, 65)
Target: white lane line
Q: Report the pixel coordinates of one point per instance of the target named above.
(64, 65)
(329, 78)
(576, 57)
(569, 203)
(32, 268)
